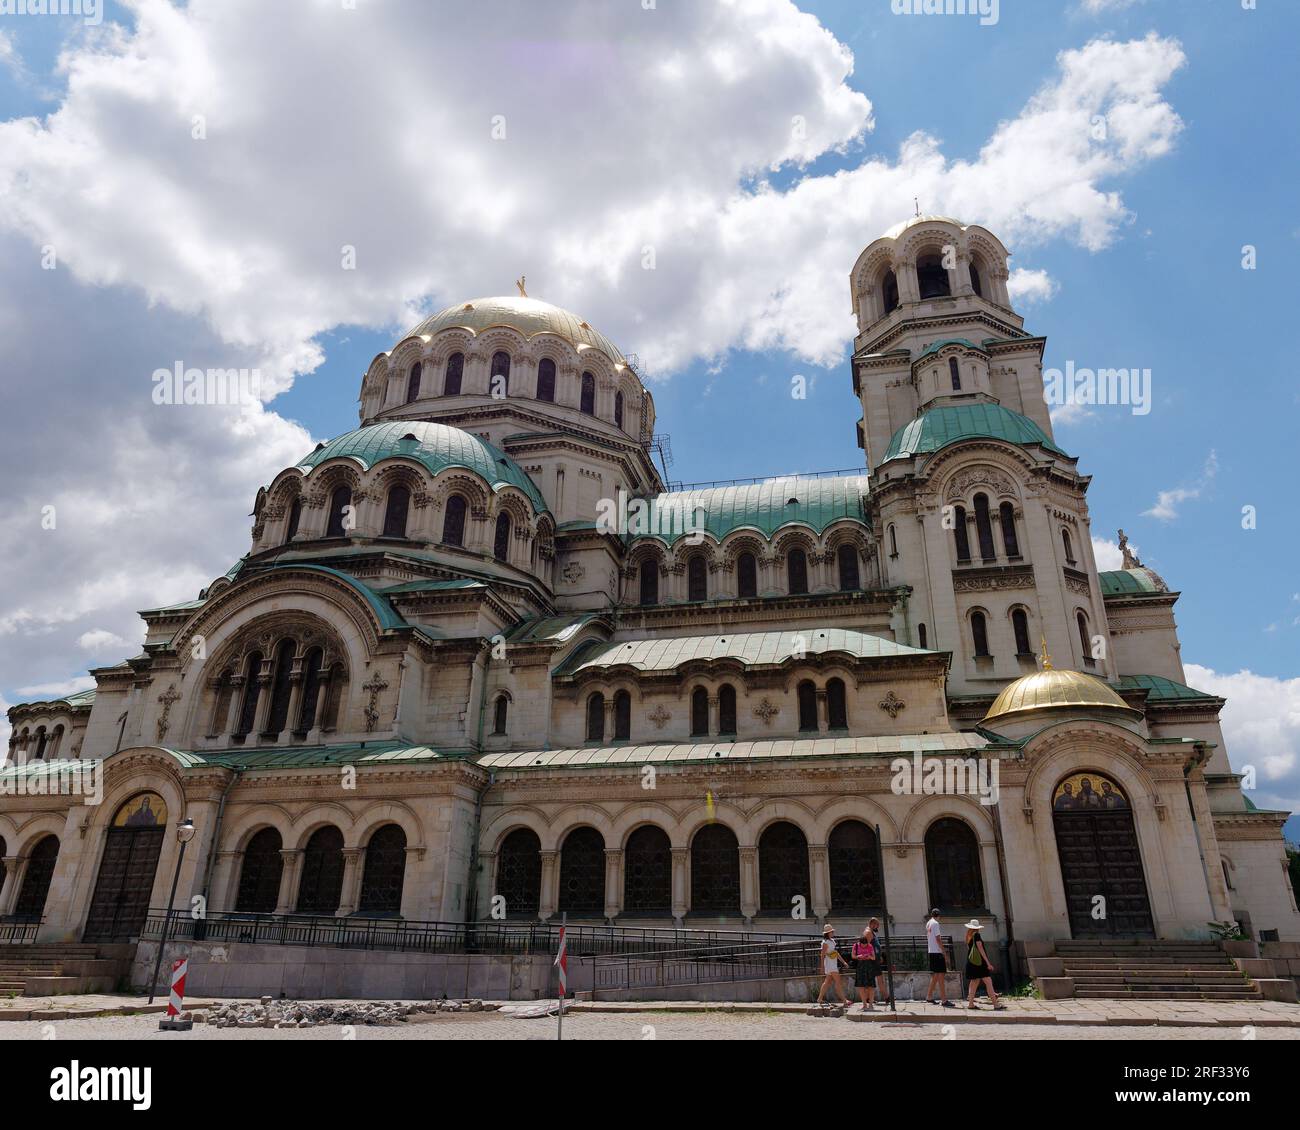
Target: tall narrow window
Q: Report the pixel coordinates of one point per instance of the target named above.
(1069, 549)
(454, 375)
(699, 712)
(893, 542)
(807, 707)
(596, 718)
(984, 528)
(413, 382)
(649, 576)
(310, 689)
(955, 372)
(932, 277)
(395, 511)
(1085, 639)
(587, 403)
(546, 379)
(889, 291)
(697, 578)
(340, 513)
(1020, 627)
(727, 709)
(499, 385)
(797, 571)
(848, 562)
(248, 712)
(746, 575)
(500, 714)
(453, 522)
(295, 517)
(501, 542)
(979, 633)
(920, 635)
(837, 711)
(618, 409)
(1011, 543)
(281, 687)
(622, 716)
(960, 534)
(975, 283)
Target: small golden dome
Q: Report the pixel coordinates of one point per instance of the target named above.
(1050, 687)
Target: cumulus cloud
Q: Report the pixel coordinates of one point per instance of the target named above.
(1029, 287)
(1167, 502)
(1108, 554)
(1100, 7)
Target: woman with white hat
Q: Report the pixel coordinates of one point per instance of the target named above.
(978, 966)
(831, 961)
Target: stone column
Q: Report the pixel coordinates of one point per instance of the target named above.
(819, 897)
(353, 865)
(749, 881)
(823, 712)
(289, 876)
(613, 882)
(226, 876)
(295, 693)
(681, 883)
(714, 717)
(15, 869)
(550, 884)
(487, 882)
(263, 699)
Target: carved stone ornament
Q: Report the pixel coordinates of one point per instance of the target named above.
(169, 696)
(892, 705)
(766, 711)
(979, 477)
(375, 685)
(659, 716)
(572, 573)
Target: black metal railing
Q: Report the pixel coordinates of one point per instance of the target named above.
(19, 930)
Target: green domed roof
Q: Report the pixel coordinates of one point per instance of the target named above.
(527, 315)
(949, 423)
(436, 446)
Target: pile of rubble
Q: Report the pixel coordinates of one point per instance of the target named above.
(272, 1013)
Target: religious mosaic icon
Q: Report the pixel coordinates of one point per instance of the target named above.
(1088, 792)
(144, 811)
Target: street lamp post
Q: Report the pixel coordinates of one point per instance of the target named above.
(184, 833)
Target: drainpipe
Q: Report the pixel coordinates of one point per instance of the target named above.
(1008, 941)
(121, 729)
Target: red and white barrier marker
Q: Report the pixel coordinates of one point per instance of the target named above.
(176, 1001)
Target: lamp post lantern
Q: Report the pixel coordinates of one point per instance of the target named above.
(184, 833)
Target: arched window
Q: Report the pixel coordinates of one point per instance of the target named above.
(975, 283)
(596, 718)
(837, 712)
(501, 542)
(954, 371)
(726, 709)
(952, 866)
(807, 707)
(281, 687)
(311, 676)
(30, 905)
(1020, 628)
(1085, 637)
(715, 871)
(618, 409)
(782, 868)
(622, 716)
(413, 383)
(797, 571)
(1007, 516)
(455, 373)
(453, 522)
(384, 874)
(854, 867)
(746, 575)
(932, 277)
(889, 291)
(56, 740)
(920, 635)
(500, 711)
(587, 403)
(340, 513)
(960, 534)
(519, 873)
(248, 713)
(697, 578)
(396, 510)
(321, 886)
(979, 633)
(893, 542)
(850, 579)
(295, 517)
(499, 385)
(582, 873)
(648, 872)
(649, 576)
(546, 379)
(1069, 549)
(40, 743)
(984, 528)
(699, 712)
(259, 877)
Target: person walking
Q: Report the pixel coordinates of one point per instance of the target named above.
(938, 962)
(830, 962)
(882, 962)
(866, 963)
(978, 966)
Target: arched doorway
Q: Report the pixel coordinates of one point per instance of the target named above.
(582, 873)
(321, 887)
(384, 874)
(1097, 842)
(134, 841)
(783, 872)
(648, 873)
(715, 871)
(519, 873)
(259, 878)
(30, 905)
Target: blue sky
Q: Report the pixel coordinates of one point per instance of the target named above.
(1165, 292)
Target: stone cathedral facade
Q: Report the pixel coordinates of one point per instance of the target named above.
(441, 685)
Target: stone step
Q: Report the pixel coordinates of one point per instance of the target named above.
(1084, 994)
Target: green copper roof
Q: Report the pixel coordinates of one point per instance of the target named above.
(1117, 582)
(436, 446)
(527, 315)
(935, 346)
(750, 648)
(1160, 688)
(950, 423)
(302, 757)
(763, 507)
(384, 612)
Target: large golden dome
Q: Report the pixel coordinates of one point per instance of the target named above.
(527, 315)
(1052, 688)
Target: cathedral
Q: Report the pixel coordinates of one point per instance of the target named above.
(480, 661)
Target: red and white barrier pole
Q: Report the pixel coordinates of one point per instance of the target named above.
(175, 1002)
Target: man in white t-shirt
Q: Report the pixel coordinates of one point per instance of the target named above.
(938, 963)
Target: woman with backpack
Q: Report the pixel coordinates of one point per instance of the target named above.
(866, 960)
(978, 966)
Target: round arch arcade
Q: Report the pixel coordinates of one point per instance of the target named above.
(132, 845)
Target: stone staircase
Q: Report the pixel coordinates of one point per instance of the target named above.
(50, 969)
(1154, 970)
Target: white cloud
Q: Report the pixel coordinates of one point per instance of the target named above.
(1168, 501)
(1261, 726)
(99, 639)
(1100, 7)
(1108, 554)
(1030, 287)
(44, 691)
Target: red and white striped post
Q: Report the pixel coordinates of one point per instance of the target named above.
(562, 964)
(176, 1001)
